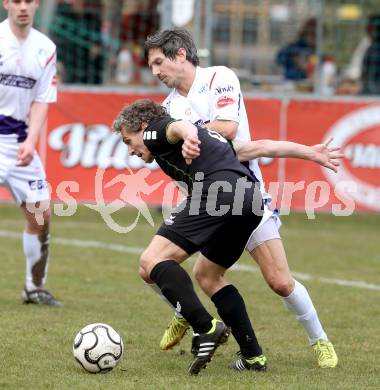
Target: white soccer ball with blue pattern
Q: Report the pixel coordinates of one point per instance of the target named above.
(98, 348)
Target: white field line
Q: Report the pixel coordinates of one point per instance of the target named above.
(81, 243)
(237, 267)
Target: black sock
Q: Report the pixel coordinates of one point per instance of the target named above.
(177, 287)
(232, 311)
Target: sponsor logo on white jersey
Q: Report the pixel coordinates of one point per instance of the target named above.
(224, 101)
(12, 80)
(226, 89)
(203, 89)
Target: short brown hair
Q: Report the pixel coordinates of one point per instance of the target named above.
(141, 111)
(170, 41)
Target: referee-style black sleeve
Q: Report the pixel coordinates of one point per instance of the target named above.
(155, 136)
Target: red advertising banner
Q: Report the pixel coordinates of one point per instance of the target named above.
(86, 162)
(84, 159)
(80, 146)
(355, 127)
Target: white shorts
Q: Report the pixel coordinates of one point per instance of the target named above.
(27, 184)
(267, 230)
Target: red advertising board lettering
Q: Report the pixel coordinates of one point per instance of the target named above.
(356, 128)
(82, 154)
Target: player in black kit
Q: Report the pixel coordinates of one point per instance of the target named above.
(222, 208)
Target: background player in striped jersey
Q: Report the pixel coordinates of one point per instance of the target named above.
(27, 86)
(212, 97)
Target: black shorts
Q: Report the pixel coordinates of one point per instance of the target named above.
(197, 226)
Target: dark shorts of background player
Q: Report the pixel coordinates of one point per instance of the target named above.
(221, 239)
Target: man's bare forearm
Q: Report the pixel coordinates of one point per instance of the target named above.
(249, 150)
(38, 116)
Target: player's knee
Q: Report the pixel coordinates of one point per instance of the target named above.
(38, 221)
(282, 286)
(45, 226)
(144, 275)
(199, 274)
(146, 261)
(47, 216)
(40, 226)
(207, 285)
(206, 281)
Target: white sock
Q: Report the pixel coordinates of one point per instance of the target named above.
(36, 253)
(157, 290)
(299, 303)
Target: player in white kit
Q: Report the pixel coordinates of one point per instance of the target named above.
(212, 97)
(27, 86)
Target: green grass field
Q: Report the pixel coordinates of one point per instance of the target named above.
(93, 270)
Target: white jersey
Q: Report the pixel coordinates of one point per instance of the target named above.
(214, 94)
(27, 74)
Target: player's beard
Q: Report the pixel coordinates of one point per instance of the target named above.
(169, 82)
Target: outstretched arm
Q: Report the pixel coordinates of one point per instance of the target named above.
(321, 154)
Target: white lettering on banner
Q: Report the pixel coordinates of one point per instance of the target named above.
(72, 150)
(96, 136)
(360, 155)
(94, 146)
(363, 156)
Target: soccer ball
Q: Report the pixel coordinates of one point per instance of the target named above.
(98, 348)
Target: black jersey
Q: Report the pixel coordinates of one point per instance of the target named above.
(216, 154)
